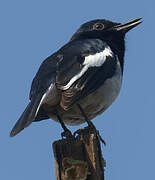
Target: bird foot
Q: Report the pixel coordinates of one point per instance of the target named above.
(67, 134)
(93, 128)
(100, 137)
(89, 129)
(78, 132)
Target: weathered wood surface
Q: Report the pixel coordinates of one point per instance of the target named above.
(79, 158)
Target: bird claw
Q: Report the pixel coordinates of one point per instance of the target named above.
(89, 129)
(98, 134)
(100, 138)
(93, 128)
(67, 134)
(78, 132)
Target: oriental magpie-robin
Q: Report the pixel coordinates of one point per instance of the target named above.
(81, 79)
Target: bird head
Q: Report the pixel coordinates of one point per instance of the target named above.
(104, 29)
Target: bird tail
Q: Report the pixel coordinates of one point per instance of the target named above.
(27, 117)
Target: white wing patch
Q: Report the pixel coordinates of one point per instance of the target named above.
(98, 59)
(44, 97)
(95, 60)
(76, 77)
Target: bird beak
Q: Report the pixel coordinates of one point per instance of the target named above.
(127, 26)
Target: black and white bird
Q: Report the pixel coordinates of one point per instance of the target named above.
(82, 79)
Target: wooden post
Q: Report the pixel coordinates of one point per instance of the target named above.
(79, 158)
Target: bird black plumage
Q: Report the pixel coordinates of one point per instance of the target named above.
(81, 79)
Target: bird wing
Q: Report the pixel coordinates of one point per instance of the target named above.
(45, 76)
(84, 68)
(43, 80)
(75, 70)
(27, 116)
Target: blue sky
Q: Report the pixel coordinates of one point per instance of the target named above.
(32, 30)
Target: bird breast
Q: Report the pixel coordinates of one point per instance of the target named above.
(95, 103)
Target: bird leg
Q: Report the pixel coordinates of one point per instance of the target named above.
(90, 124)
(67, 133)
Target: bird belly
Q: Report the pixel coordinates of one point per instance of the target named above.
(95, 103)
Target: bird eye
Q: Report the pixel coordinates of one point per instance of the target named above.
(98, 26)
